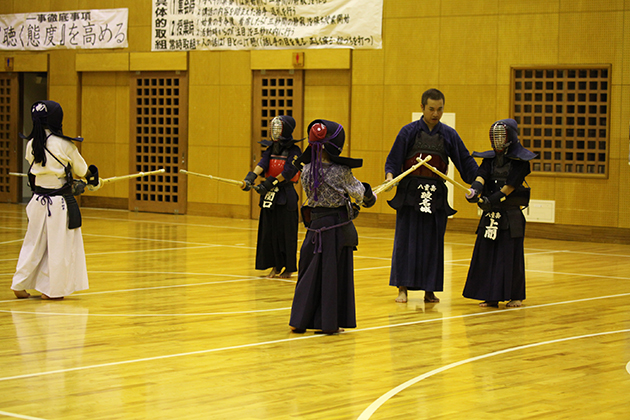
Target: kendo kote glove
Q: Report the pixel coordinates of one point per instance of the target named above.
(92, 175)
(267, 185)
(249, 181)
(487, 203)
(369, 198)
(78, 187)
(475, 190)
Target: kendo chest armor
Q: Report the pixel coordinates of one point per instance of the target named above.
(426, 144)
(276, 165)
(500, 170)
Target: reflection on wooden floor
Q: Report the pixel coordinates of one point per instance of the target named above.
(177, 324)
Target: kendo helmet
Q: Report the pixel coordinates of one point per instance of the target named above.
(46, 115)
(282, 128)
(499, 136)
(504, 139)
(330, 136)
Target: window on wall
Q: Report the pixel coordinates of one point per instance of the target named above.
(159, 140)
(563, 117)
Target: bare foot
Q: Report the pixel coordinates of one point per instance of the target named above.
(272, 274)
(284, 275)
(430, 297)
(402, 295)
(514, 304)
(297, 330)
(21, 294)
(46, 297)
(489, 304)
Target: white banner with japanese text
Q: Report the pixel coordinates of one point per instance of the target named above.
(182, 25)
(86, 29)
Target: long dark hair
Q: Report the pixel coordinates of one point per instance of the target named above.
(39, 114)
(46, 115)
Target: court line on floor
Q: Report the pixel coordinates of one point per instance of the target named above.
(140, 289)
(19, 416)
(163, 357)
(528, 270)
(86, 210)
(132, 238)
(302, 232)
(274, 279)
(368, 412)
(13, 241)
(143, 315)
(561, 273)
(175, 223)
(304, 337)
(182, 248)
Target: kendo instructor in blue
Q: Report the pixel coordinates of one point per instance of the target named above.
(421, 205)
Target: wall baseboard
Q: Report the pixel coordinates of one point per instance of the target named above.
(532, 229)
(233, 211)
(556, 231)
(105, 202)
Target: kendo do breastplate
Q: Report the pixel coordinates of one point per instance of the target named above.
(276, 165)
(500, 171)
(501, 167)
(426, 144)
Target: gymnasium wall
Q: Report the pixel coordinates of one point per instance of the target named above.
(464, 48)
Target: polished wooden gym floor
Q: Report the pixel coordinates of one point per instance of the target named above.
(177, 324)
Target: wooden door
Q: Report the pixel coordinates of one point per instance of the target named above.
(10, 145)
(159, 139)
(278, 92)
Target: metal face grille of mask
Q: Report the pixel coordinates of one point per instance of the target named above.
(498, 137)
(276, 128)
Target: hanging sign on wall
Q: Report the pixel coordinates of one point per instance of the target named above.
(265, 24)
(86, 29)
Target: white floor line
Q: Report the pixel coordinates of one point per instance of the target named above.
(162, 223)
(527, 270)
(168, 356)
(38, 313)
(560, 273)
(197, 246)
(13, 241)
(251, 345)
(19, 416)
(367, 413)
(486, 313)
(177, 273)
(132, 238)
(138, 251)
(172, 286)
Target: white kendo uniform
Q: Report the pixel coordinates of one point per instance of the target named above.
(52, 258)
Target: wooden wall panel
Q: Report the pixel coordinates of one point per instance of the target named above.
(11, 152)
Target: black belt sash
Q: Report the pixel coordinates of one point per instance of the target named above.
(74, 213)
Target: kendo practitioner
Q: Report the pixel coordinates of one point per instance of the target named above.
(52, 258)
(497, 268)
(278, 223)
(324, 294)
(421, 202)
